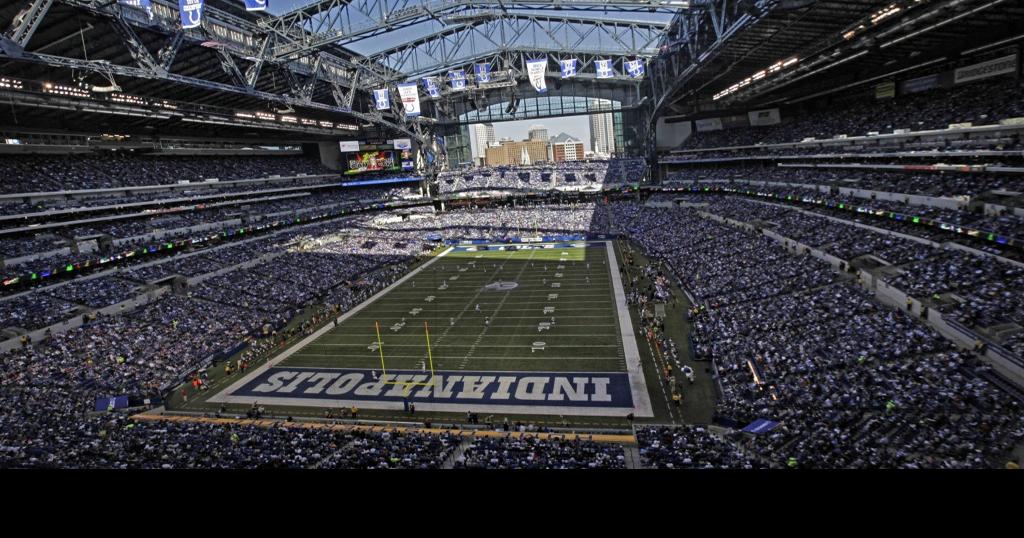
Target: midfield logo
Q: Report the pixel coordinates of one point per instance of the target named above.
(501, 286)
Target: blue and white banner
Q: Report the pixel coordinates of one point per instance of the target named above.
(191, 13)
(536, 69)
(410, 95)
(482, 72)
(604, 68)
(635, 68)
(256, 5)
(144, 4)
(364, 182)
(457, 79)
(760, 426)
(568, 67)
(433, 88)
(403, 143)
(382, 99)
(477, 389)
(919, 84)
(113, 402)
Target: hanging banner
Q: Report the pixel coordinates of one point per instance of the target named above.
(457, 79)
(536, 69)
(482, 72)
(433, 88)
(635, 68)
(568, 67)
(604, 68)
(919, 84)
(144, 4)
(403, 143)
(708, 124)
(410, 99)
(760, 118)
(885, 90)
(256, 5)
(991, 68)
(382, 99)
(191, 13)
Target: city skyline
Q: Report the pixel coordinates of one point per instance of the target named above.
(577, 127)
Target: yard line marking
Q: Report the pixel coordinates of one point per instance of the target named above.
(457, 357)
(461, 313)
(501, 303)
(465, 345)
(401, 312)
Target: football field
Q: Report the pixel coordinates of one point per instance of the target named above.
(527, 328)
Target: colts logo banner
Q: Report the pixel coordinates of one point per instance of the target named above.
(410, 96)
(256, 5)
(483, 72)
(635, 68)
(458, 79)
(536, 69)
(144, 4)
(604, 68)
(433, 89)
(382, 99)
(191, 13)
(568, 67)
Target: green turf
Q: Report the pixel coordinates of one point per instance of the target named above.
(585, 336)
(696, 406)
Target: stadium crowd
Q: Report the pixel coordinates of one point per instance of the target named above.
(926, 222)
(848, 378)
(50, 173)
(612, 173)
(980, 103)
(529, 452)
(690, 447)
(934, 183)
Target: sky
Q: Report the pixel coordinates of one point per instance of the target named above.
(277, 7)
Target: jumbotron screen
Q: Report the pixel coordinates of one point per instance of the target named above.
(372, 161)
(378, 161)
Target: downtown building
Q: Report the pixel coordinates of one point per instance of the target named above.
(483, 137)
(538, 132)
(566, 148)
(602, 128)
(510, 152)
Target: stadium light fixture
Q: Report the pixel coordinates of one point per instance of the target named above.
(942, 23)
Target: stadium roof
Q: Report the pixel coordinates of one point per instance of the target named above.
(866, 37)
(321, 59)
